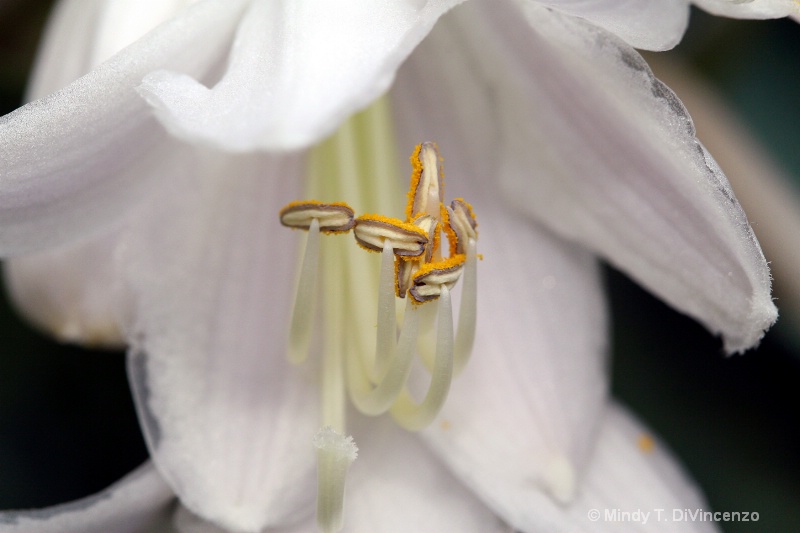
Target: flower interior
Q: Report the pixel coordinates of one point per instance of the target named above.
(372, 364)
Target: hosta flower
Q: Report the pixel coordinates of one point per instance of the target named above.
(150, 190)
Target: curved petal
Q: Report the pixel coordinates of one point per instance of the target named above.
(646, 24)
(81, 34)
(76, 161)
(758, 9)
(70, 292)
(228, 420)
(139, 503)
(587, 140)
(632, 469)
(629, 469)
(763, 187)
(297, 70)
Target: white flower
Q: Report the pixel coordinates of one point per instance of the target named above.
(550, 123)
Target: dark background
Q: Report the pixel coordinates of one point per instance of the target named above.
(68, 429)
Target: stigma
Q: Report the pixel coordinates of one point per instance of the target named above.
(414, 274)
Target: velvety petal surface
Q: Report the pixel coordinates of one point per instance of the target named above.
(77, 160)
(394, 486)
(585, 139)
(296, 71)
(228, 420)
(646, 24)
(81, 34)
(763, 187)
(524, 412)
(139, 503)
(754, 9)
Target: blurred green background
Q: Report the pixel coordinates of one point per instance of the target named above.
(68, 429)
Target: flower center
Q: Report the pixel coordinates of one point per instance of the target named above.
(372, 365)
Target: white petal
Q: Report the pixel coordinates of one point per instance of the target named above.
(75, 161)
(394, 486)
(228, 420)
(297, 70)
(70, 292)
(139, 503)
(764, 189)
(752, 9)
(632, 469)
(647, 24)
(584, 138)
(81, 34)
(523, 414)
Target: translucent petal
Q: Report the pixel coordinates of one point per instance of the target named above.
(297, 70)
(139, 503)
(575, 130)
(646, 24)
(210, 271)
(764, 189)
(70, 292)
(756, 9)
(76, 161)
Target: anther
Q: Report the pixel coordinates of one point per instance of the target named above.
(336, 217)
(429, 279)
(408, 240)
(427, 182)
(463, 223)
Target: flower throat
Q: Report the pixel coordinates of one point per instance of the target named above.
(372, 365)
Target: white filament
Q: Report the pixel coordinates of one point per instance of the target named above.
(305, 299)
(406, 412)
(467, 311)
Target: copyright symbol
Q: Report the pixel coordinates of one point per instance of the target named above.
(594, 515)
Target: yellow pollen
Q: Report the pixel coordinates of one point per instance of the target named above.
(444, 264)
(416, 174)
(646, 443)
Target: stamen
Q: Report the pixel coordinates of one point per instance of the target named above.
(375, 401)
(405, 411)
(431, 277)
(336, 217)
(387, 315)
(468, 310)
(427, 182)
(407, 239)
(404, 271)
(335, 454)
(463, 223)
(430, 226)
(305, 299)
